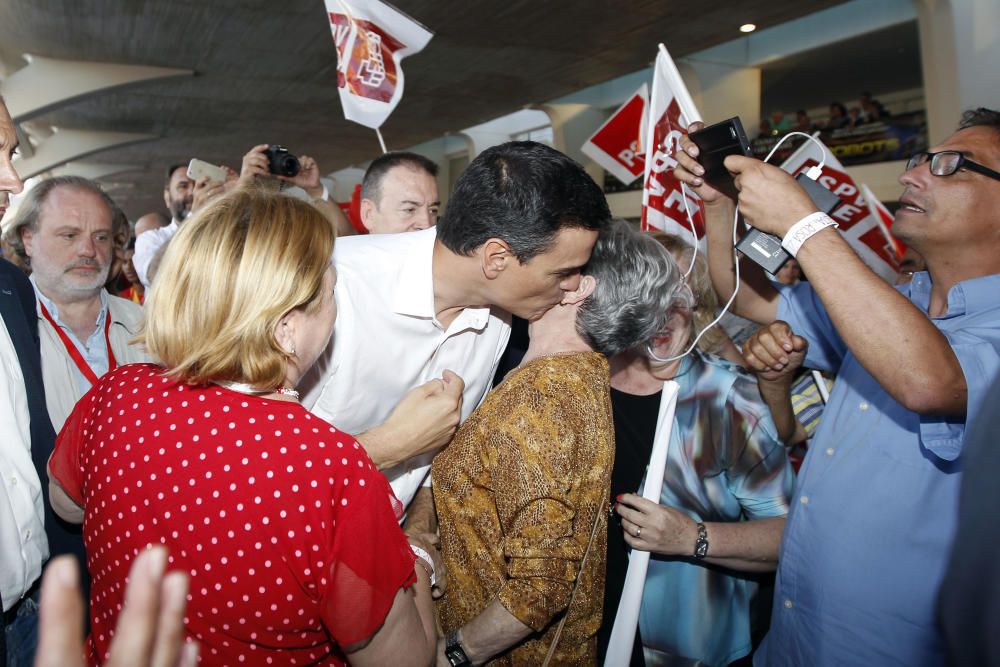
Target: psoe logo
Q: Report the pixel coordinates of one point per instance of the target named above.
(371, 71)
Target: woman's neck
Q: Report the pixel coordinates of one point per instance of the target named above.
(636, 374)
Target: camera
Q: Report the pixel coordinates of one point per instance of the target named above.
(280, 162)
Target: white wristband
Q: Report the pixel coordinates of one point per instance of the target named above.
(426, 557)
(802, 230)
(325, 196)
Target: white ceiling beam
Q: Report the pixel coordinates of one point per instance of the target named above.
(68, 145)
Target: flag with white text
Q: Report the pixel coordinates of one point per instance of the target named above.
(372, 38)
(665, 204)
(615, 145)
(866, 228)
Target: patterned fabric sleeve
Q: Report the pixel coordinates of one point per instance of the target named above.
(370, 562)
(534, 469)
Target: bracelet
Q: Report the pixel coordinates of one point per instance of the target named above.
(803, 230)
(325, 196)
(421, 554)
(701, 544)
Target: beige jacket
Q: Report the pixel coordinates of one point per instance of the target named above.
(61, 391)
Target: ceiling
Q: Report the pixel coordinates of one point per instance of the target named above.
(266, 71)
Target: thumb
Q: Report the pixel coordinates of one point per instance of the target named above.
(452, 382)
(799, 344)
(737, 164)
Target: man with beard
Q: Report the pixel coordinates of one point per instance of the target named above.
(63, 230)
(178, 194)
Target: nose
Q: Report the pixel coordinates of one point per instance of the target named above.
(423, 220)
(10, 182)
(570, 283)
(86, 247)
(916, 176)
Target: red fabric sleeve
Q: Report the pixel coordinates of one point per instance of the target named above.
(371, 560)
(64, 464)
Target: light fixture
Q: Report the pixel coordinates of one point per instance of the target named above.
(748, 27)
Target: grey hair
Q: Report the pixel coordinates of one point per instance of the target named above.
(30, 209)
(638, 288)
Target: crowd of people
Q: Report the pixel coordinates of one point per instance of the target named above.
(267, 439)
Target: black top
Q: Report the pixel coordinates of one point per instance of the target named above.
(635, 425)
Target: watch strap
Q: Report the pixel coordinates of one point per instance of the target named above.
(701, 544)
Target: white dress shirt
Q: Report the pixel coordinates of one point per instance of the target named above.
(387, 340)
(23, 547)
(147, 245)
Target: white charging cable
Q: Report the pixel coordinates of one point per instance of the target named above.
(813, 173)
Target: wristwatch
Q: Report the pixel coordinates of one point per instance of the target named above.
(701, 544)
(454, 652)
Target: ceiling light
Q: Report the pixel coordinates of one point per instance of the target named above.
(748, 27)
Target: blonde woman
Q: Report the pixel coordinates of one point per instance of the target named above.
(287, 530)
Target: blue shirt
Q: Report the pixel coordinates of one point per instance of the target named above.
(94, 350)
(725, 463)
(867, 539)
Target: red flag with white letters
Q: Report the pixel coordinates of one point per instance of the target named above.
(615, 145)
(864, 227)
(372, 38)
(665, 204)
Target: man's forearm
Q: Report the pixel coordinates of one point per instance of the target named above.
(897, 343)
(757, 300)
(420, 515)
(749, 546)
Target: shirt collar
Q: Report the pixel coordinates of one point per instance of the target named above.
(973, 295)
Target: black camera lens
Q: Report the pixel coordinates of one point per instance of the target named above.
(281, 162)
(290, 166)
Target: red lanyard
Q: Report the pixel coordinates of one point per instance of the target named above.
(74, 353)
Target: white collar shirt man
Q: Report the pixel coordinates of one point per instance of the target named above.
(387, 340)
(21, 508)
(147, 245)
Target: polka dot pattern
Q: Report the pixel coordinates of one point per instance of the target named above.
(251, 502)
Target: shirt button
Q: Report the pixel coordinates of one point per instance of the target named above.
(27, 534)
(804, 500)
(13, 480)
(788, 603)
(864, 405)
(829, 451)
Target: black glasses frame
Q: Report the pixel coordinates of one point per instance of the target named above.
(963, 163)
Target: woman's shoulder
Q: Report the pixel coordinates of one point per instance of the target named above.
(563, 369)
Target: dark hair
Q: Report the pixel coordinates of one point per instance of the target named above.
(521, 192)
(371, 185)
(840, 107)
(170, 173)
(981, 117)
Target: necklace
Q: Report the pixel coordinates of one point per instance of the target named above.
(244, 388)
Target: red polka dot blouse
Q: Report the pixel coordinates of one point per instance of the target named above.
(286, 528)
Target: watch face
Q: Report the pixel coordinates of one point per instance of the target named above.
(456, 656)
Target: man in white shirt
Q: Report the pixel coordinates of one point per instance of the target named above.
(178, 195)
(399, 193)
(24, 426)
(519, 227)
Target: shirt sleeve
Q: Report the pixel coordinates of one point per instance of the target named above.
(535, 468)
(65, 464)
(371, 559)
(759, 474)
(944, 434)
(801, 308)
(146, 246)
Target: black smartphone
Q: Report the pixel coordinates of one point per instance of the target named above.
(715, 143)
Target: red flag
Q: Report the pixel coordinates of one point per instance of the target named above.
(665, 205)
(615, 145)
(858, 223)
(372, 38)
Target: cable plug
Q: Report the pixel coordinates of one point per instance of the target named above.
(814, 172)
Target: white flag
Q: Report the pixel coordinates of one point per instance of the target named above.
(372, 38)
(665, 205)
(615, 145)
(861, 225)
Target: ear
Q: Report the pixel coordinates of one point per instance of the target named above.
(166, 199)
(27, 239)
(587, 286)
(496, 256)
(285, 329)
(368, 209)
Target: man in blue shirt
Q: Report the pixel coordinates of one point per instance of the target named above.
(867, 539)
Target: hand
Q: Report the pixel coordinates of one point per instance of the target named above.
(770, 199)
(307, 178)
(254, 165)
(774, 353)
(205, 191)
(689, 171)
(440, 660)
(424, 420)
(150, 628)
(431, 543)
(662, 529)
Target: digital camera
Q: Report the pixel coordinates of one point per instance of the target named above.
(280, 162)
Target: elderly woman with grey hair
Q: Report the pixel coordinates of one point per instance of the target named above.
(522, 491)
(721, 510)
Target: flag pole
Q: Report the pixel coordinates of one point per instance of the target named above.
(381, 141)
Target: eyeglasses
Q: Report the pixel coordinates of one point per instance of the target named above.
(946, 163)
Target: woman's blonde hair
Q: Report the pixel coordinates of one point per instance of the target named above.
(228, 277)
